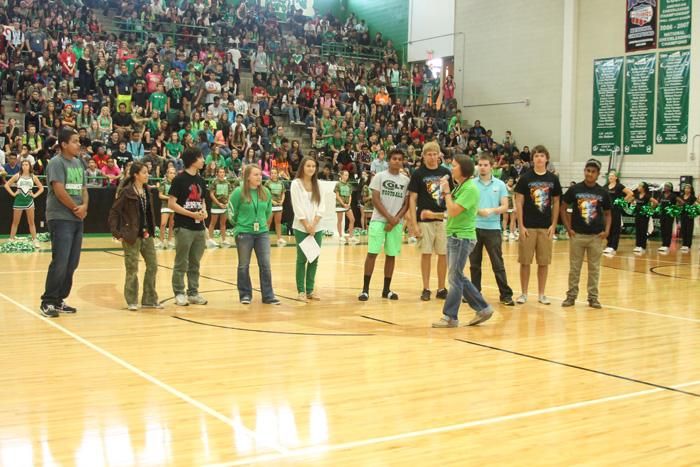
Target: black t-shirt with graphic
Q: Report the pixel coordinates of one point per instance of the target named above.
(538, 192)
(426, 183)
(587, 208)
(190, 192)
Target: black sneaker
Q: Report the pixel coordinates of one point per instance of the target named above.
(441, 294)
(425, 296)
(390, 295)
(65, 308)
(594, 303)
(508, 301)
(363, 297)
(245, 301)
(274, 301)
(49, 311)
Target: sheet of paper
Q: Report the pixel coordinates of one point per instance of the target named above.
(310, 248)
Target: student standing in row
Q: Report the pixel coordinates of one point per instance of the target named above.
(66, 208)
(616, 190)
(462, 205)
(389, 190)
(686, 199)
(252, 207)
(187, 200)
(277, 190)
(24, 183)
(642, 197)
(167, 217)
(588, 226)
(666, 222)
(220, 190)
(306, 202)
(132, 221)
(537, 206)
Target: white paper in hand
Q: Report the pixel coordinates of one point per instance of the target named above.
(310, 248)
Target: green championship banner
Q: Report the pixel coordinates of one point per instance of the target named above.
(674, 23)
(674, 92)
(607, 106)
(640, 71)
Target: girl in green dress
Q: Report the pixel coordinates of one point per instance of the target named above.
(24, 183)
(277, 190)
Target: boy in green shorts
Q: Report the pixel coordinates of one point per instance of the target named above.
(389, 196)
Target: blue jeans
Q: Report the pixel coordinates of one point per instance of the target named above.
(246, 243)
(293, 113)
(66, 240)
(458, 251)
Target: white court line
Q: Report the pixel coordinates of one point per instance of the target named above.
(77, 270)
(180, 395)
(315, 450)
(614, 307)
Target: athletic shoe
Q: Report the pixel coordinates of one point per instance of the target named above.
(226, 244)
(412, 240)
(363, 297)
(522, 299)
(441, 294)
(63, 307)
(594, 303)
(555, 238)
(196, 300)
(508, 301)
(171, 244)
(36, 244)
(481, 316)
(314, 296)
(544, 300)
(354, 240)
(49, 311)
(568, 302)
(638, 249)
(155, 306)
(446, 322)
(274, 301)
(664, 249)
(302, 297)
(342, 240)
(685, 249)
(390, 295)
(132, 307)
(608, 250)
(211, 243)
(639, 252)
(511, 237)
(160, 246)
(281, 242)
(181, 300)
(245, 301)
(425, 295)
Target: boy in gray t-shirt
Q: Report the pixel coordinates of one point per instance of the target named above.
(389, 195)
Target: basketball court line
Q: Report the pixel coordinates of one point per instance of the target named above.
(614, 307)
(237, 426)
(316, 450)
(37, 271)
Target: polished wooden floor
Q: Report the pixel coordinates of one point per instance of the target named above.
(341, 382)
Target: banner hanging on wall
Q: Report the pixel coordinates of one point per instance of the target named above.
(674, 92)
(674, 23)
(640, 32)
(607, 106)
(640, 73)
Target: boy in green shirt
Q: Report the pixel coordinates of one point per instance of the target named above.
(158, 101)
(462, 206)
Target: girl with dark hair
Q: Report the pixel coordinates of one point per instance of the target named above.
(686, 199)
(132, 222)
(306, 202)
(616, 190)
(667, 198)
(642, 197)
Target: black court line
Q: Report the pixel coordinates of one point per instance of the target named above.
(380, 320)
(654, 270)
(577, 367)
(271, 332)
(217, 280)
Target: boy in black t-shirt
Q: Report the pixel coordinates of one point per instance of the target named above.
(187, 200)
(537, 198)
(588, 226)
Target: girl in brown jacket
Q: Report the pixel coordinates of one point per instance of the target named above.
(132, 222)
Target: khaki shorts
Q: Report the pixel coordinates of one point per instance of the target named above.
(537, 241)
(434, 239)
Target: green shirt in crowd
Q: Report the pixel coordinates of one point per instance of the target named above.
(463, 225)
(277, 190)
(158, 101)
(344, 190)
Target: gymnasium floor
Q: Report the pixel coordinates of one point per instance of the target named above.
(341, 382)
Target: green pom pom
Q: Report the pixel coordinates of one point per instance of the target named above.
(44, 237)
(17, 246)
(649, 211)
(157, 232)
(693, 210)
(673, 211)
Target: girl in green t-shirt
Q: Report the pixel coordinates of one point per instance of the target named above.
(343, 197)
(277, 190)
(219, 191)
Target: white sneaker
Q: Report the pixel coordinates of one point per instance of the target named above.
(197, 300)
(132, 307)
(661, 248)
(412, 240)
(181, 300)
(226, 244)
(159, 245)
(608, 250)
(342, 240)
(685, 249)
(511, 237)
(522, 299)
(544, 300)
(171, 244)
(555, 238)
(638, 249)
(354, 240)
(281, 242)
(211, 243)
(36, 244)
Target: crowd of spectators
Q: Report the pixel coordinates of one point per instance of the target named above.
(170, 76)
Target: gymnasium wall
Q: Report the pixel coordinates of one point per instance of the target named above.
(513, 53)
(427, 20)
(390, 17)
